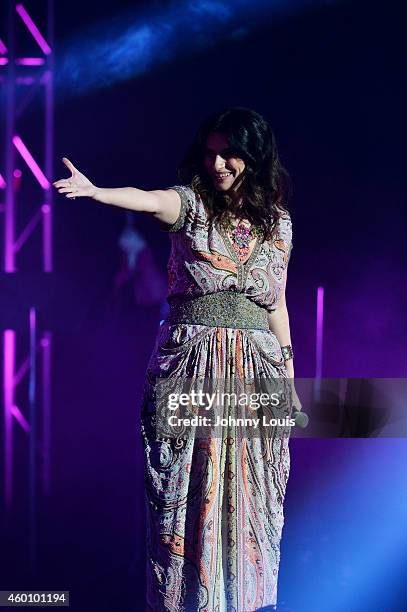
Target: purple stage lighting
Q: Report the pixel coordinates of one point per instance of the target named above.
(319, 334)
(31, 163)
(45, 48)
(30, 61)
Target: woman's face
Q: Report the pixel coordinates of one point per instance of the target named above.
(221, 162)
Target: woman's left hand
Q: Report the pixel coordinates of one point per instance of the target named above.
(77, 185)
(295, 400)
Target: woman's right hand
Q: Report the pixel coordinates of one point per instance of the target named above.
(77, 185)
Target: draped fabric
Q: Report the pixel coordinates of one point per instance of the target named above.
(214, 505)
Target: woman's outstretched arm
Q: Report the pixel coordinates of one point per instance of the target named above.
(163, 204)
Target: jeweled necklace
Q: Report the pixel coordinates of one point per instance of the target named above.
(241, 236)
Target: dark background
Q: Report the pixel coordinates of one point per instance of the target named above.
(330, 78)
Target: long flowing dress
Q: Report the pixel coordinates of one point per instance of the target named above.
(214, 506)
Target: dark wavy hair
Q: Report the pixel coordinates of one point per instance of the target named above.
(266, 187)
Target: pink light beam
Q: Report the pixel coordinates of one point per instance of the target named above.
(38, 37)
(30, 61)
(9, 348)
(20, 418)
(47, 236)
(319, 338)
(31, 163)
(319, 334)
(28, 230)
(46, 346)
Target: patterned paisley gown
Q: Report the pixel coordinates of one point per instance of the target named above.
(215, 506)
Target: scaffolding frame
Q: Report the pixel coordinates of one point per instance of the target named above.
(33, 76)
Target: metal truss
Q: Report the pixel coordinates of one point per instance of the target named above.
(23, 79)
(26, 79)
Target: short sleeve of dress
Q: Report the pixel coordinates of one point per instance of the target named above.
(188, 201)
(285, 235)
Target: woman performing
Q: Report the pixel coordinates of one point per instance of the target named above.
(215, 504)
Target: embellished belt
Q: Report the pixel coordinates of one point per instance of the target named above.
(220, 309)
